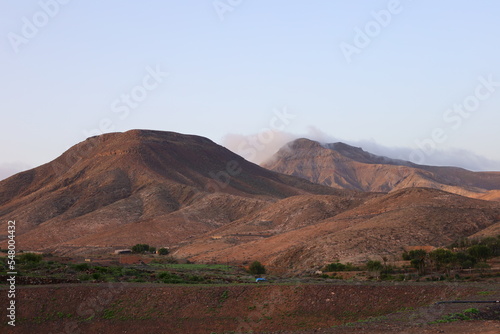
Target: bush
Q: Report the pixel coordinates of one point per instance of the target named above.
(84, 277)
(417, 259)
(30, 258)
(81, 266)
(140, 248)
(163, 251)
(442, 257)
(167, 277)
(480, 252)
(257, 268)
(374, 266)
(335, 266)
(465, 260)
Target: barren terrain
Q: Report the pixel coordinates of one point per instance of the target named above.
(208, 204)
(342, 166)
(296, 308)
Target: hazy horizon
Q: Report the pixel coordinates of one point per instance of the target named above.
(410, 80)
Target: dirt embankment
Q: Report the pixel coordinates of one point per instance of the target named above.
(139, 308)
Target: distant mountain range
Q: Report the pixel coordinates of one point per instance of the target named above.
(211, 205)
(341, 166)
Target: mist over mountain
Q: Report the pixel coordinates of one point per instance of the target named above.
(347, 167)
(260, 147)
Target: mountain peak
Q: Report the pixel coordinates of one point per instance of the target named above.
(303, 143)
(343, 166)
(343, 147)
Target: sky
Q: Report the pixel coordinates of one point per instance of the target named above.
(413, 80)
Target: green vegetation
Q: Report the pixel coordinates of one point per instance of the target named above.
(190, 266)
(374, 266)
(463, 254)
(29, 258)
(169, 278)
(491, 242)
(257, 268)
(81, 266)
(438, 265)
(337, 266)
(417, 259)
(141, 248)
(163, 251)
(33, 266)
(480, 252)
(465, 315)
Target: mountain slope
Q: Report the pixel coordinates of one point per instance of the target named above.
(381, 226)
(210, 205)
(345, 167)
(125, 188)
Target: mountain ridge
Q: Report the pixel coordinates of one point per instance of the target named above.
(343, 166)
(105, 184)
(208, 204)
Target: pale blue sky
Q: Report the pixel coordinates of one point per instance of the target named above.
(225, 77)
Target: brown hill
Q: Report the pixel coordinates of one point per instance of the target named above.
(140, 186)
(342, 166)
(383, 225)
(210, 205)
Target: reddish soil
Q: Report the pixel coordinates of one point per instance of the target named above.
(142, 308)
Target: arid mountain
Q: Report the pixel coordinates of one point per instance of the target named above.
(208, 204)
(382, 225)
(140, 186)
(342, 166)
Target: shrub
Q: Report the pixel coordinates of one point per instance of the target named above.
(465, 260)
(167, 277)
(84, 277)
(257, 268)
(30, 258)
(140, 248)
(335, 266)
(442, 257)
(417, 259)
(163, 251)
(480, 252)
(374, 266)
(81, 266)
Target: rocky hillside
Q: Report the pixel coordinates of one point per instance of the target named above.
(342, 166)
(351, 230)
(140, 186)
(209, 205)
